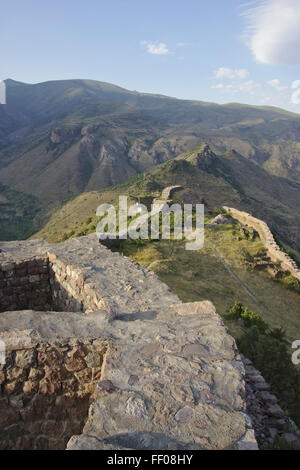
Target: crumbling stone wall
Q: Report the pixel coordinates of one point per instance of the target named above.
(168, 191)
(267, 238)
(25, 284)
(268, 418)
(154, 341)
(70, 291)
(45, 393)
(45, 284)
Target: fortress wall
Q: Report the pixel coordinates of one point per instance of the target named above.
(70, 291)
(168, 191)
(172, 377)
(267, 238)
(45, 283)
(45, 392)
(25, 284)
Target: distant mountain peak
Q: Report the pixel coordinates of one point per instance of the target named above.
(202, 156)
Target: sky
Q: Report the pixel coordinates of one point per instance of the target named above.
(210, 50)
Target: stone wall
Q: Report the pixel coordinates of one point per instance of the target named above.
(25, 284)
(268, 418)
(70, 291)
(168, 191)
(172, 376)
(45, 393)
(45, 283)
(267, 238)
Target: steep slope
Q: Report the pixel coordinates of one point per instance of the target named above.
(17, 213)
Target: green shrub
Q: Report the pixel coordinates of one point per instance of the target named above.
(290, 282)
(238, 311)
(251, 319)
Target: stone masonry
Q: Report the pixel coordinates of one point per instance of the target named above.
(135, 367)
(45, 392)
(267, 239)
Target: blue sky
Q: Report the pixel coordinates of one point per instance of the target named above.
(217, 50)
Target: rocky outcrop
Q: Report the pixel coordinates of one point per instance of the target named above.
(171, 376)
(267, 239)
(205, 158)
(61, 134)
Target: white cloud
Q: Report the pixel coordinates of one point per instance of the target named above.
(157, 48)
(226, 72)
(275, 83)
(266, 99)
(219, 85)
(295, 84)
(245, 86)
(274, 31)
(249, 87)
(295, 99)
(183, 44)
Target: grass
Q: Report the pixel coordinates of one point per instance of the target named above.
(199, 275)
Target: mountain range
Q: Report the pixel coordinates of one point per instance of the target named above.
(62, 138)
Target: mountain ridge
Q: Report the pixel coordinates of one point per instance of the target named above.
(61, 138)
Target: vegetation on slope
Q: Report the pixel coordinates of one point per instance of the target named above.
(17, 212)
(268, 349)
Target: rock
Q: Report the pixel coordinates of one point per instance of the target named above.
(106, 386)
(16, 401)
(291, 438)
(257, 379)
(133, 379)
(182, 393)
(184, 415)
(279, 424)
(221, 219)
(273, 433)
(25, 358)
(276, 411)
(243, 232)
(267, 397)
(150, 349)
(136, 407)
(248, 442)
(206, 158)
(261, 387)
